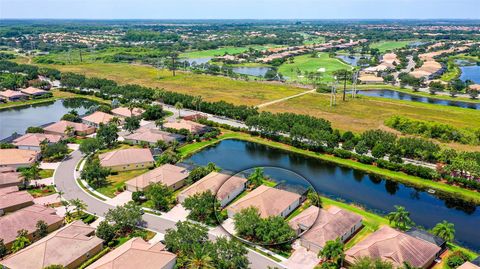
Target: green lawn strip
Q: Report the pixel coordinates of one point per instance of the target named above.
(453, 71)
(118, 180)
(459, 192)
(88, 191)
(383, 46)
(41, 192)
(46, 173)
(367, 87)
(298, 210)
(263, 253)
(95, 258)
(26, 103)
(221, 51)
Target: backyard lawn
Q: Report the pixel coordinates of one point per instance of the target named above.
(118, 180)
(305, 63)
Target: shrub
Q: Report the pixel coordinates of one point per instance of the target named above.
(456, 259)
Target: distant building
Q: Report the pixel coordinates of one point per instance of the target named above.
(125, 112)
(69, 247)
(136, 253)
(11, 201)
(269, 202)
(171, 175)
(225, 187)
(12, 96)
(27, 218)
(32, 141)
(127, 159)
(17, 157)
(320, 225)
(96, 118)
(396, 247)
(59, 128)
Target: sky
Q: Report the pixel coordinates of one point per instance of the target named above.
(240, 9)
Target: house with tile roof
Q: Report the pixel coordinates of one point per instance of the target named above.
(136, 253)
(96, 118)
(69, 247)
(14, 200)
(32, 141)
(18, 157)
(124, 112)
(269, 202)
(127, 159)
(226, 187)
(170, 175)
(10, 177)
(59, 128)
(12, 96)
(396, 247)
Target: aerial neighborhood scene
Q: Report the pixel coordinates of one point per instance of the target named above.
(240, 134)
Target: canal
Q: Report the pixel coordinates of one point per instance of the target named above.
(391, 94)
(20, 118)
(345, 184)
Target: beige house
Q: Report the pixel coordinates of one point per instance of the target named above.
(9, 177)
(96, 118)
(124, 112)
(468, 265)
(69, 247)
(191, 126)
(136, 253)
(32, 141)
(171, 175)
(150, 136)
(11, 201)
(127, 159)
(27, 218)
(59, 128)
(12, 96)
(17, 157)
(32, 91)
(269, 202)
(321, 225)
(396, 247)
(226, 187)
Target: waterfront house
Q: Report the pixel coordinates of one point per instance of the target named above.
(96, 118)
(17, 157)
(170, 175)
(127, 159)
(68, 247)
(34, 92)
(12, 96)
(60, 127)
(32, 141)
(136, 253)
(269, 202)
(226, 187)
(27, 218)
(396, 247)
(151, 136)
(191, 126)
(320, 225)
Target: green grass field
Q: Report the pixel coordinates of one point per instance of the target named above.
(211, 88)
(383, 46)
(221, 51)
(118, 181)
(309, 64)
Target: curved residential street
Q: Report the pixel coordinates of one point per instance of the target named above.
(65, 181)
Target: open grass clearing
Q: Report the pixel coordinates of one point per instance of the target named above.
(306, 63)
(211, 88)
(383, 46)
(222, 51)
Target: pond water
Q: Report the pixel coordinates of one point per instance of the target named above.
(470, 71)
(353, 186)
(20, 118)
(258, 71)
(197, 60)
(350, 59)
(390, 94)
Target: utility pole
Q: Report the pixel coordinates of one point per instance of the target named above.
(354, 84)
(80, 51)
(333, 93)
(344, 84)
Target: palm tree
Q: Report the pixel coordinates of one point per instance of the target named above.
(69, 131)
(158, 94)
(197, 101)
(60, 194)
(400, 218)
(314, 197)
(444, 230)
(333, 251)
(178, 106)
(131, 107)
(79, 205)
(115, 120)
(159, 123)
(199, 260)
(66, 204)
